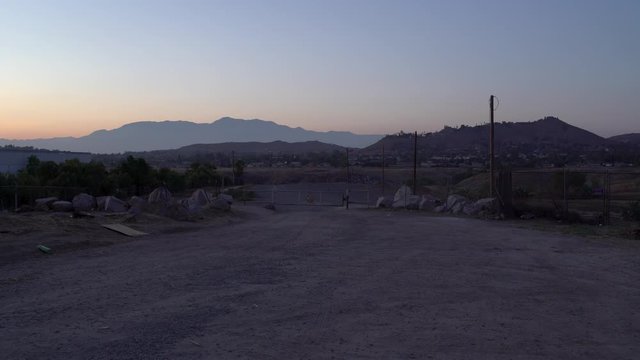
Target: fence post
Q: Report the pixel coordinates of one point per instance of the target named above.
(606, 217)
(16, 198)
(609, 199)
(565, 199)
(604, 198)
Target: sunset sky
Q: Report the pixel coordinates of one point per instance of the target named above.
(68, 68)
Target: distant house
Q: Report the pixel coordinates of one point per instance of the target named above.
(13, 160)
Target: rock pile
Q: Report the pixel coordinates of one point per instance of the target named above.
(454, 204)
(160, 202)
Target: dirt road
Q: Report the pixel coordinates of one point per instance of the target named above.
(329, 283)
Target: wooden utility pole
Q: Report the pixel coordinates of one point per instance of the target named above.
(347, 192)
(233, 167)
(383, 169)
(491, 151)
(415, 163)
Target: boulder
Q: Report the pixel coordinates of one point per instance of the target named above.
(199, 198)
(160, 195)
(84, 202)
(113, 204)
(483, 206)
(226, 197)
(455, 203)
(413, 202)
(440, 209)
(457, 208)
(100, 201)
(62, 206)
(137, 203)
(471, 209)
(404, 198)
(384, 202)
(221, 204)
(402, 193)
(428, 202)
(490, 205)
(175, 211)
(192, 207)
(44, 204)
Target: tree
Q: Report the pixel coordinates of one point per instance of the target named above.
(238, 171)
(201, 175)
(172, 179)
(138, 171)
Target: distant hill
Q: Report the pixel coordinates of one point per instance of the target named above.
(631, 139)
(221, 154)
(275, 147)
(549, 131)
(263, 148)
(149, 135)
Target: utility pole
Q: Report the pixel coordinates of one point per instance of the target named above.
(382, 169)
(347, 192)
(415, 163)
(233, 167)
(491, 150)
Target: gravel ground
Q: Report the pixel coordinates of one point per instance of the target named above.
(329, 283)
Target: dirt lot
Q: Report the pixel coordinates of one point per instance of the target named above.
(326, 283)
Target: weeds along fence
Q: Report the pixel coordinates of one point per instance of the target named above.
(598, 196)
(311, 194)
(365, 184)
(12, 197)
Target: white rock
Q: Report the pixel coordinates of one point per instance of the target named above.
(62, 206)
(199, 198)
(84, 202)
(100, 200)
(455, 203)
(221, 204)
(113, 204)
(160, 195)
(137, 205)
(44, 204)
(413, 202)
(402, 194)
(384, 202)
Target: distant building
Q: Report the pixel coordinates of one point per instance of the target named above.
(11, 161)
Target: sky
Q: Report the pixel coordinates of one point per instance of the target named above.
(68, 68)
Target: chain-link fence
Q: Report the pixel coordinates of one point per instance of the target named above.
(597, 196)
(13, 197)
(331, 186)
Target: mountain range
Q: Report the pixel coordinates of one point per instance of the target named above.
(149, 135)
(549, 132)
(259, 136)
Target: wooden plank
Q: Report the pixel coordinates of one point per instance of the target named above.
(123, 229)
